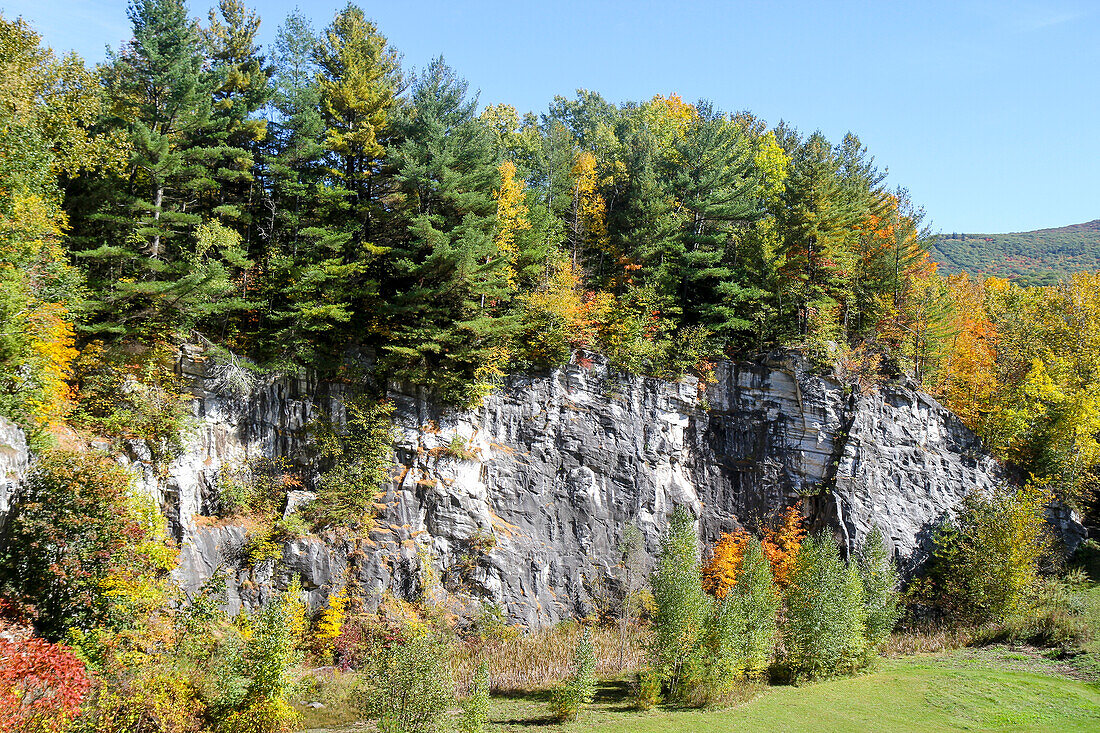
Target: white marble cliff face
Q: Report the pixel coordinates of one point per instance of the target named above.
(559, 464)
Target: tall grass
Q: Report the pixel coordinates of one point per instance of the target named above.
(544, 658)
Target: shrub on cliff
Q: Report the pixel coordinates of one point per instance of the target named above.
(356, 454)
(81, 547)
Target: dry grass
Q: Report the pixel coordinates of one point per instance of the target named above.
(928, 640)
(544, 658)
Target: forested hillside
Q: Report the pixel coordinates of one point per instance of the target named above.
(1041, 257)
(307, 204)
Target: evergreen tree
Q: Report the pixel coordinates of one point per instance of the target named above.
(360, 78)
(306, 222)
(446, 285)
(717, 195)
(154, 270)
(240, 85)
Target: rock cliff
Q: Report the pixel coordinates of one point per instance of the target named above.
(556, 465)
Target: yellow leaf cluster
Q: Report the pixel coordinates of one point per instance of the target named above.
(511, 215)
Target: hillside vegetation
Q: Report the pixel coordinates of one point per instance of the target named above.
(1041, 257)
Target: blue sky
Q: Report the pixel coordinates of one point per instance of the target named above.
(987, 111)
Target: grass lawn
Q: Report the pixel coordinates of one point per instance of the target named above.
(996, 688)
(945, 692)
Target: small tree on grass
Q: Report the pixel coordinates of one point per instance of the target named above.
(682, 606)
(475, 706)
(570, 698)
(825, 612)
(986, 562)
(880, 591)
(410, 689)
(782, 542)
(756, 601)
(255, 699)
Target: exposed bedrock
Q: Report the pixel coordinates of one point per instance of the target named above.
(558, 464)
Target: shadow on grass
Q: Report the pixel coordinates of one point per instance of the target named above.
(612, 695)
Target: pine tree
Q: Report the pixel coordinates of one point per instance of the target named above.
(717, 197)
(447, 283)
(240, 85)
(153, 270)
(360, 78)
(306, 222)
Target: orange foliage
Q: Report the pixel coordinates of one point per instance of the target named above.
(782, 542)
(720, 573)
(968, 379)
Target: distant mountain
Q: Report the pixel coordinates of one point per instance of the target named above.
(1041, 257)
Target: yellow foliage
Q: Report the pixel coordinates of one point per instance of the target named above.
(589, 209)
(560, 316)
(511, 215)
(53, 352)
(331, 620)
(968, 378)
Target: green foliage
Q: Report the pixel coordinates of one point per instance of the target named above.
(409, 689)
(443, 315)
(985, 566)
(647, 691)
(257, 487)
(880, 590)
(356, 454)
(682, 606)
(754, 603)
(254, 696)
(826, 617)
(570, 698)
(475, 706)
(81, 547)
(128, 394)
(1042, 257)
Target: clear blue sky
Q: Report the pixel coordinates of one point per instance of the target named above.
(987, 111)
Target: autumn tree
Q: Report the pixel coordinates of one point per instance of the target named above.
(80, 548)
(47, 106)
(782, 542)
(721, 571)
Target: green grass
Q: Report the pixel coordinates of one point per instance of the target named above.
(936, 694)
(995, 688)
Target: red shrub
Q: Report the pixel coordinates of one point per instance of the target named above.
(41, 684)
